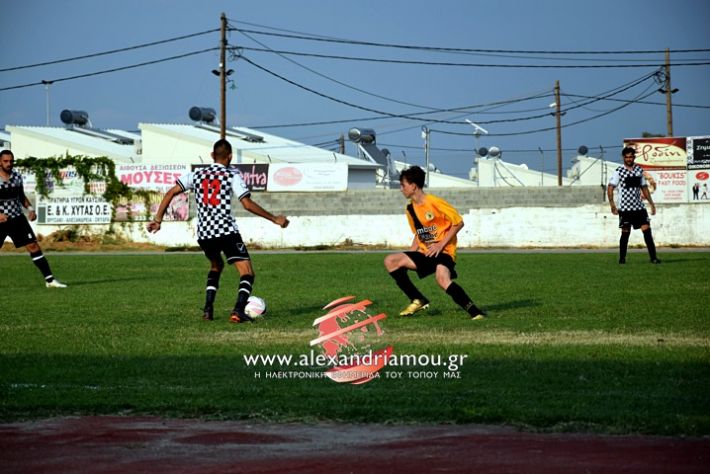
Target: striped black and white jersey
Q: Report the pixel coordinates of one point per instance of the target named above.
(11, 195)
(215, 186)
(628, 185)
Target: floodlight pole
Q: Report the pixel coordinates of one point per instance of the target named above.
(223, 78)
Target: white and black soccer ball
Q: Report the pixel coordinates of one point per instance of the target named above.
(256, 307)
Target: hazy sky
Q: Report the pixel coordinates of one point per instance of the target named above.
(504, 100)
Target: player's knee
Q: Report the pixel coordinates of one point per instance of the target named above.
(391, 263)
(443, 280)
(33, 247)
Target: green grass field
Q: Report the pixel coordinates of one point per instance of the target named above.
(573, 342)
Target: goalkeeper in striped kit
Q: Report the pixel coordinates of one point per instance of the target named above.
(435, 224)
(215, 188)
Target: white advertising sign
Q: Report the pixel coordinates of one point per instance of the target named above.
(308, 177)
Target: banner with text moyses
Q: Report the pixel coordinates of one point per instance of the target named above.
(664, 161)
(152, 177)
(308, 177)
(698, 169)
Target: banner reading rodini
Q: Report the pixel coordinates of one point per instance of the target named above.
(664, 161)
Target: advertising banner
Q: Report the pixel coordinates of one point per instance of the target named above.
(157, 178)
(308, 177)
(698, 169)
(87, 209)
(68, 202)
(255, 176)
(659, 152)
(664, 160)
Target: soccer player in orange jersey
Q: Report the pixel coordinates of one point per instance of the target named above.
(435, 224)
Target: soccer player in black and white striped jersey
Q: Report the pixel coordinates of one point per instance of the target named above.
(217, 231)
(13, 222)
(631, 183)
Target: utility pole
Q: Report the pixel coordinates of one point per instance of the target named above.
(558, 116)
(425, 136)
(669, 92)
(223, 78)
(46, 89)
(341, 144)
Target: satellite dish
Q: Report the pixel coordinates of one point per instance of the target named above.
(71, 117)
(202, 114)
(494, 152)
(583, 150)
(483, 151)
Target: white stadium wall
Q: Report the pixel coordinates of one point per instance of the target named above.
(585, 226)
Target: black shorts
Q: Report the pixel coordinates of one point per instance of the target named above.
(633, 218)
(231, 245)
(19, 230)
(427, 265)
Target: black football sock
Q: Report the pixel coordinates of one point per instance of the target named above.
(648, 238)
(623, 245)
(462, 299)
(401, 277)
(212, 287)
(245, 284)
(43, 265)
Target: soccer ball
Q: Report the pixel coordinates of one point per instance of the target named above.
(256, 307)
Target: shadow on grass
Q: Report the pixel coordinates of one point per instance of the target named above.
(623, 395)
(99, 281)
(512, 305)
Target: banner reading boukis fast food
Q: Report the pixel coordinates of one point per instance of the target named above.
(664, 161)
(698, 169)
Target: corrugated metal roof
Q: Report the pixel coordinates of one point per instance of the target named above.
(91, 145)
(272, 148)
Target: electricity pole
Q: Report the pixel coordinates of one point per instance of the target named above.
(223, 78)
(669, 92)
(558, 115)
(425, 136)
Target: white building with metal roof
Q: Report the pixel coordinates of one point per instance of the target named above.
(180, 143)
(42, 142)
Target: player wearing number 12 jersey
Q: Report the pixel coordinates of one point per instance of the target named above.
(216, 188)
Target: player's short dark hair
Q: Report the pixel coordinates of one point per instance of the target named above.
(628, 151)
(7, 152)
(414, 175)
(222, 148)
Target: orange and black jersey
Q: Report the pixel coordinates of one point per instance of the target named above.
(431, 220)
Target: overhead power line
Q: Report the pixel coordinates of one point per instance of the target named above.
(106, 71)
(113, 51)
(641, 102)
(350, 104)
(432, 120)
(467, 50)
(702, 62)
(547, 129)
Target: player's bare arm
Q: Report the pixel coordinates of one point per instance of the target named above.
(256, 209)
(31, 215)
(647, 194)
(438, 247)
(610, 197)
(154, 225)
